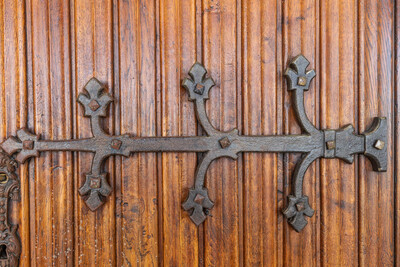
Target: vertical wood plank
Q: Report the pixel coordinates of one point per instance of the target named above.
(61, 97)
(338, 87)
(103, 62)
(253, 189)
(301, 33)
(50, 83)
(13, 104)
(31, 165)
(177, 54)
(219, 53)
(271, 86)
(397, 132)
(188, 54)
(43, 123)
(260, 65)
(279, 96)
(137, 74)
(239, 103)
(93, 56)
(375, 87)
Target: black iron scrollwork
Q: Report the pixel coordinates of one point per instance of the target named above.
(313, 143)
(10, 244)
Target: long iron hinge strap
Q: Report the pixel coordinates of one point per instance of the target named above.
(313, 143)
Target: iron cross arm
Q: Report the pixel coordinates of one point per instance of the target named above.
(341, 143)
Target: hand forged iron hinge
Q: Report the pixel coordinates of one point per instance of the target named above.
(313, 143)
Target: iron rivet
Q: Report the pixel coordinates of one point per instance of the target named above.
(27, 144)
(302, 81)
(330, 145)
(94, 105)
(199, 199)
(199, 89)
(379, 144)
(116, 144)
(224, 142)
(300, 206)
(95, 183)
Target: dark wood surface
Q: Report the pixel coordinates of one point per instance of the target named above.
(142, 50)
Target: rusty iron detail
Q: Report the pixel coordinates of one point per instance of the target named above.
(313, 143)
(10, 244)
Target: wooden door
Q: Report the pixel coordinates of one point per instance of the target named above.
(141, 51)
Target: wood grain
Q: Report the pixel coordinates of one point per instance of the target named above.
(261, 36)
(219, 55)
(376, 190)
(301, 36)
(137, 216)
(13, 81)
(338, 96)
(142, 50)
(177, 54)
(93, 57)
(396, 140)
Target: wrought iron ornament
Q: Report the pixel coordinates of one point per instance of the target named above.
(313, 143)
(10, 244)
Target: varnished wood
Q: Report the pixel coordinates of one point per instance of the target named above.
(177, 53)
(338, 93)
(219, 57)
(376, 235)
(300, 34)
(141, 50)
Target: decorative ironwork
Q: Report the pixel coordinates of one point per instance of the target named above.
(10, 244)
(313, 143)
